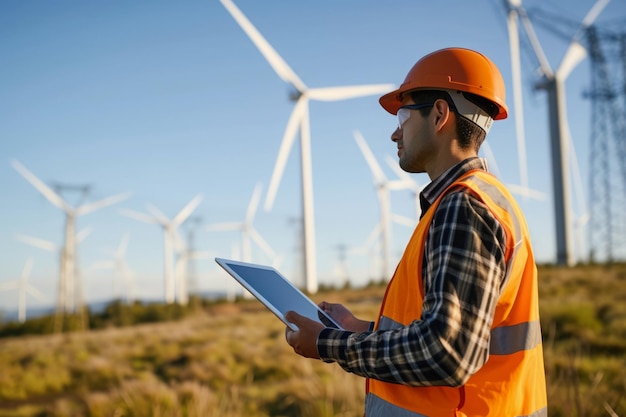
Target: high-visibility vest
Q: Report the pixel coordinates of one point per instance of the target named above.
(512, 381)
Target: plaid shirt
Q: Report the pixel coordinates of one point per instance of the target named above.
(463, 269)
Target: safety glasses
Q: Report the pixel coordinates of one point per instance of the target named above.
(404, 112)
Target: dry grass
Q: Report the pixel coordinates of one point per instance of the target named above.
(232, 360)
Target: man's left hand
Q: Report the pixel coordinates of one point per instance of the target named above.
(304, 340)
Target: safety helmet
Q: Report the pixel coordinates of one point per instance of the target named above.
(454, 70)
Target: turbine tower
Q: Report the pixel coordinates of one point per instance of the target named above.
(70, 297)
(170, 234)
(299, 120)
(553, 82)
(23, 287)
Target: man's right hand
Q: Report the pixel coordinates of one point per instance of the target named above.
(344, 317)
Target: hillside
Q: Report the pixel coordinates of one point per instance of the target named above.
(232, 360)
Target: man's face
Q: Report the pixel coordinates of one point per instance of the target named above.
(415, 140)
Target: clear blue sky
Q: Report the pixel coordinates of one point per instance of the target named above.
(171, 99)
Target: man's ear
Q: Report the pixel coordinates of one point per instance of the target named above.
(441, 113)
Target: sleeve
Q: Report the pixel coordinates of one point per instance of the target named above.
(465, 266)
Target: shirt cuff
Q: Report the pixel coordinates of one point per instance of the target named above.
(332, 344)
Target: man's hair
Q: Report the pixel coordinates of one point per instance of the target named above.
(469, 134)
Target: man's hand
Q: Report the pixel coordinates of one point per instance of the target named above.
(344, 317)
(304, 340)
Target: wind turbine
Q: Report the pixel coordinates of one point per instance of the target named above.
(383, 188)
(554, 84)
(23, 287)
(247, 229)
(52, 247)
(70, 284)
(170, 233)
(299, 120)
(122, 279)
(186, 253)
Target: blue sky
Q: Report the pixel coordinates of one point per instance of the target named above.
(170, 100)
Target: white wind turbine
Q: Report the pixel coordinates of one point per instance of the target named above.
(554, 83)
(170, 234)
(247, 229)
(383, 188)
(122, 278)
(69, 285)
(181, 267)
(299, 120)
(23, 287)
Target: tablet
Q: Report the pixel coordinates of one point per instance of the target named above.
(275, 291)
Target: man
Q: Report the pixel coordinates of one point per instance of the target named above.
(458, 332)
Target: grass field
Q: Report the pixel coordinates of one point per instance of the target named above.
(231, 360)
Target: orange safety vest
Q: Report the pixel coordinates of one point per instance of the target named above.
(512, 381)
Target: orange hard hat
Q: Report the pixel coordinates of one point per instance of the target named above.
(455, 69)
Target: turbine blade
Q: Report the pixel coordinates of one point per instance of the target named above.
(188, 209)
(82, 235)
(39, 243)
(403, 220)
(574, 55)
(278, 64)
(544, 64)
(221, 227)
(87, 208)
(46, 191)
(103, 265)
(265, 247)
(159, 216)
(35, 293)
(201, 255)
(377, 171)
(526, 192)
(404, 176)
(9, 285)
(516, 74)
(594, 12)
(491, 158)
(283, 153)
(138, 216)
(254, 204)
(348, 92)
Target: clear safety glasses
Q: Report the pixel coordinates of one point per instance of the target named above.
(404, 112)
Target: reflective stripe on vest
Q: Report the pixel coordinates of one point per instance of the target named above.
(505, 340)
(378, 407)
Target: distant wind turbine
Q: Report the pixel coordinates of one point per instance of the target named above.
(69, 282)
(23, 287)
(122, 278)
(170, 233)
(553, 82)
(249, 233)
(299, 120)
(383, 188)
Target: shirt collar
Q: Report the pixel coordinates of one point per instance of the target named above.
(433, 190)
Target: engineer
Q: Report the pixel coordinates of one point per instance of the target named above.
(458, 332)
